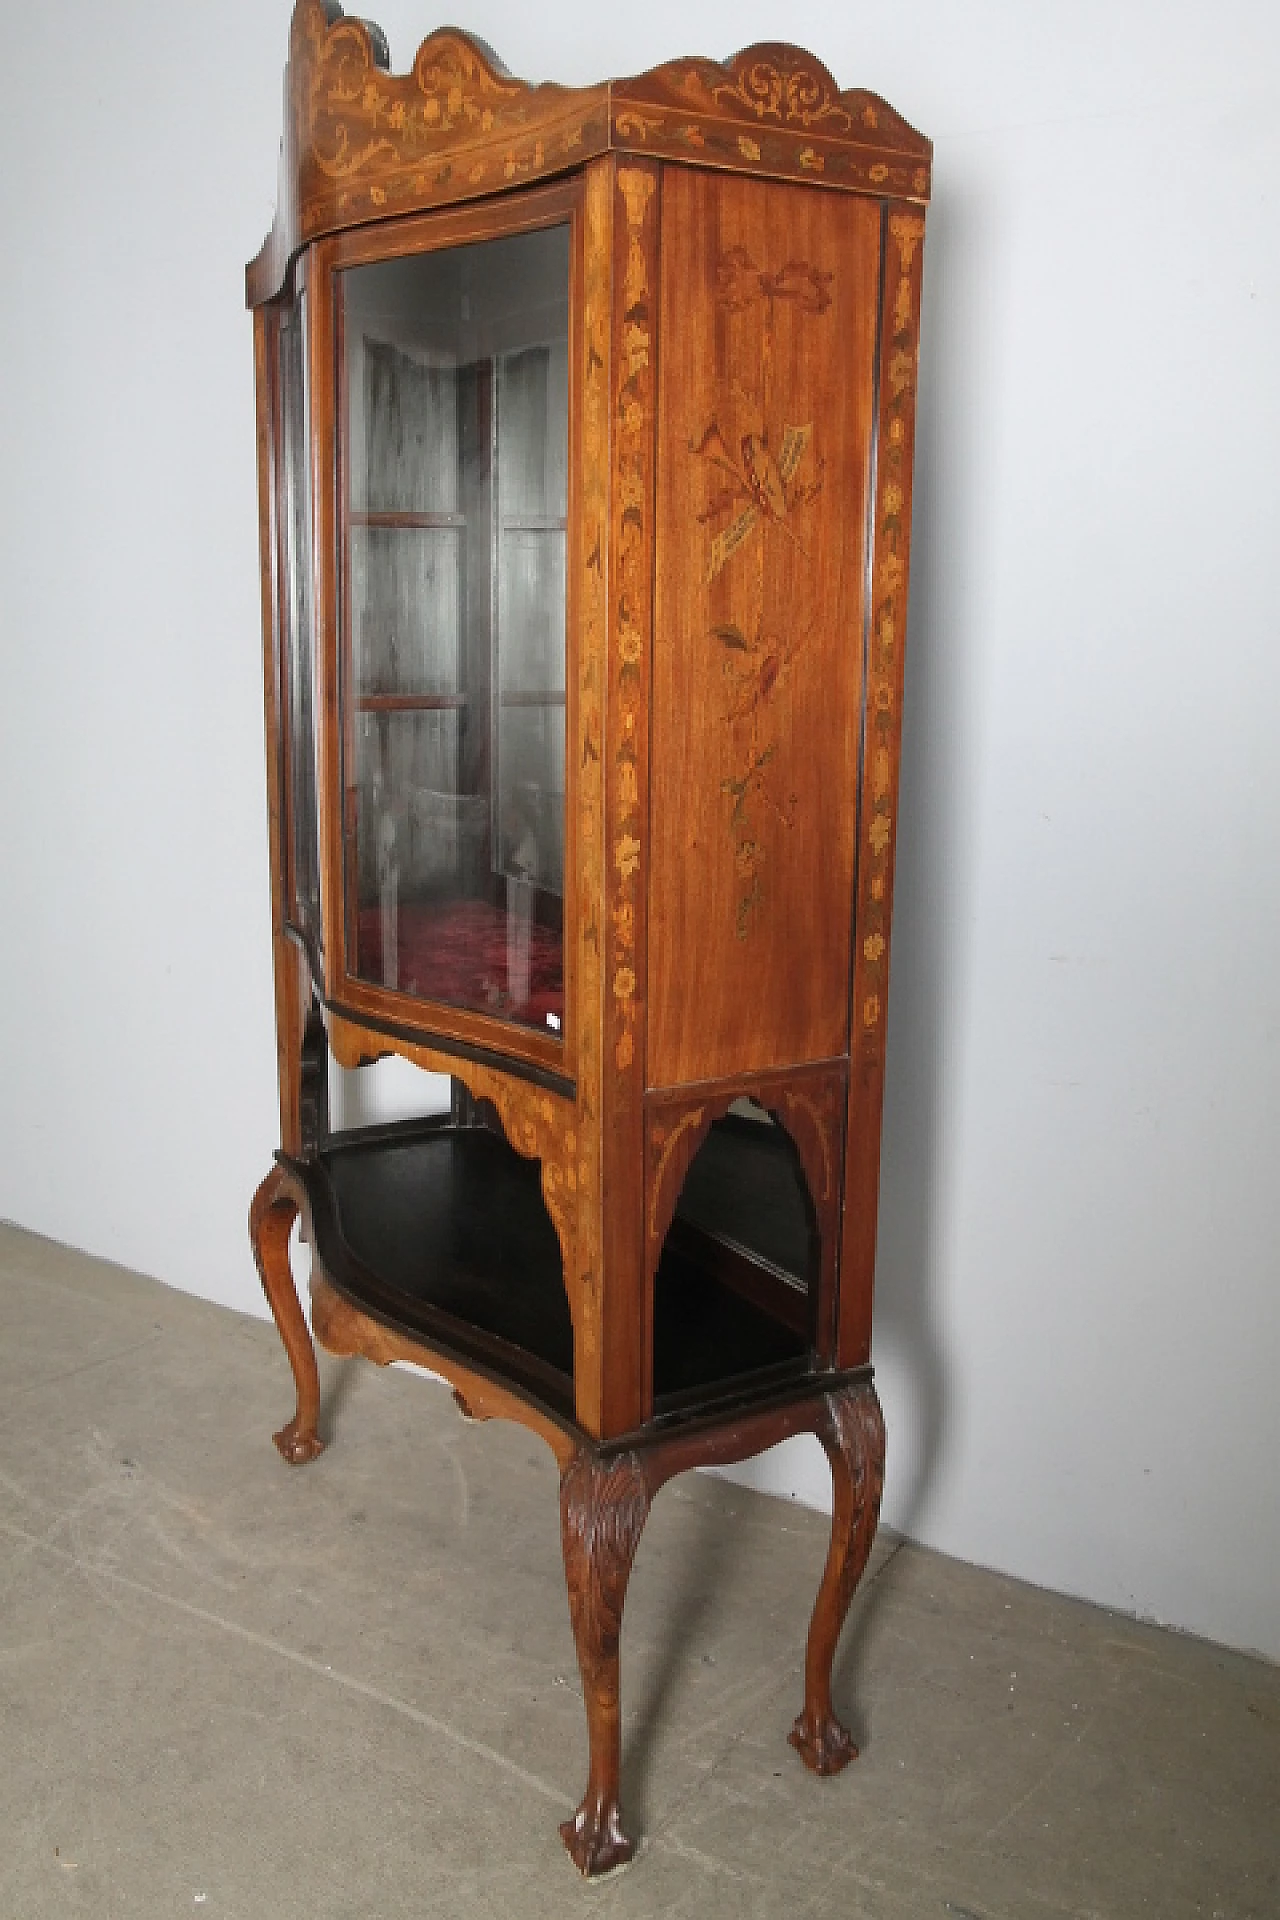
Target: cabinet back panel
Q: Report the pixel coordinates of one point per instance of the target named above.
(766, 399)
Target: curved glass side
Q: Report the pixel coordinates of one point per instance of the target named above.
(453, 415)
(302, 840)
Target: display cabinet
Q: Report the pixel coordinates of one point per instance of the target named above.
(585, 434)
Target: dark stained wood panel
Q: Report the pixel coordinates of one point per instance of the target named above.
(766, 378)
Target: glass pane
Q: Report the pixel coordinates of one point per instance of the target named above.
(299, 650)
(454, 414)
(532, 484)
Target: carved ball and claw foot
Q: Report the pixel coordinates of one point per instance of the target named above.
(604, 1503)
(852, 1436)
(595, 1839)
(297, 1445)
(271, 1218)
(825, 1747)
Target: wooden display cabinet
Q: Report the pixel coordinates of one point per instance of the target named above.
(585, 430)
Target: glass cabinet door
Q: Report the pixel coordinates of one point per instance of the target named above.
(453, 429)
(302, 840)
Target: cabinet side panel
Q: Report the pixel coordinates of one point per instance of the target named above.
(878, 808)
(768, 323)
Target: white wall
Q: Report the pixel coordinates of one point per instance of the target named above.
(1079, 1317)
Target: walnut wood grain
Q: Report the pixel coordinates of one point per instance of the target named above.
(851, 1430)
(903, 263)
(771, 109)
(612, 565)
(604, 1503)
(275, 1207)
(589, 547)
(342, 1329)
(767, 393)
(625, 1330)
(605, 1499)
(361, 143)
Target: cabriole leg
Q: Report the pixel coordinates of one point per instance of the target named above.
(603, 1508)
(852, 1435)
(271, 1218)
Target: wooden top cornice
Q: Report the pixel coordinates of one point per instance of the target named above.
(361, 143)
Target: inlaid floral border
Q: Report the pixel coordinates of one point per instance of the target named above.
(633, 541)
(364, 143)
(888, 628)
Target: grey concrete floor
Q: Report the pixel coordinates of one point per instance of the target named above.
(231, 1689)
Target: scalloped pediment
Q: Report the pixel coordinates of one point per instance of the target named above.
(362, 143)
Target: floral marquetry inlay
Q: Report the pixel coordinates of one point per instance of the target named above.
(755, 488)
(776, 110)
(774, 84)
(647, 486)
(367, 142)
(633, 411)
(363, 142)
(588, 751)
(888, 622)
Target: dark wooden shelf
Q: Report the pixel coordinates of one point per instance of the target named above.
(406, 520)
(551, 699)
(440, 1232)
(733, 1296)
(746, 1184)
(411, 702)
(533, 523)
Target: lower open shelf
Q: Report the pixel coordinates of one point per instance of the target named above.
(440, 1232)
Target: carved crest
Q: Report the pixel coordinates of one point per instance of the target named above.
(774, 85)
(363, 142)
(783, 84)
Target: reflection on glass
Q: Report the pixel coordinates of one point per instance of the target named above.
(299, 657)
(455, 455)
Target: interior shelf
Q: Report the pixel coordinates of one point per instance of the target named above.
(732, 1300)
(411, 702)
(440, 1232)
(391, 518)
(743, 1187)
